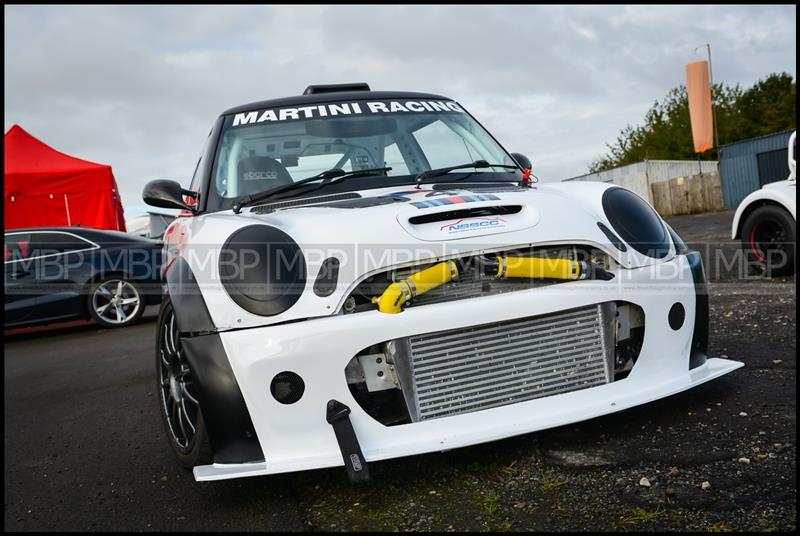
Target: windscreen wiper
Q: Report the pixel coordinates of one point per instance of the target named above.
(335, 173)
(478, 164)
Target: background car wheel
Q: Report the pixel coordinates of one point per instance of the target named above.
(768, 239)
(177, 394)
(116, 302)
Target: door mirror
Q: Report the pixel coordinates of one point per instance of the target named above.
(522, 160)
(167, 194)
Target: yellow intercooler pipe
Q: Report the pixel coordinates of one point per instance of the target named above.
(419, 283)
(398, 294)
(539, 268)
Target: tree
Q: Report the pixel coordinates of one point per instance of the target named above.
(769, 106)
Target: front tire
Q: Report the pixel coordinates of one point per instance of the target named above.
(115, 302)
(177, 395)
(768, 240)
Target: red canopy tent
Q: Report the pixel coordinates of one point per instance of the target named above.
(46, 188)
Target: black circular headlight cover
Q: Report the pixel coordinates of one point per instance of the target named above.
(262, 269)
(636, 222)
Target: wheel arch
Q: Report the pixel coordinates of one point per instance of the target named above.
(741, 218)
(228, 423)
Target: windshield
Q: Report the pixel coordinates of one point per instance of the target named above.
(265, 149)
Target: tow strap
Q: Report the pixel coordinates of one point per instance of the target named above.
(354, 462)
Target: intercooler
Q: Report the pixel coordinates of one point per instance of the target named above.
(469, 369)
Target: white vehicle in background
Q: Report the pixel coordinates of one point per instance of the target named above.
(766, 222)
(150, 225)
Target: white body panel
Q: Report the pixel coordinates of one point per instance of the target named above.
(367, 240)
(783, 193)
(492, 424)
(297, 437)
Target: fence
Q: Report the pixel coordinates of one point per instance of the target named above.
(688, 195)
(640, 177)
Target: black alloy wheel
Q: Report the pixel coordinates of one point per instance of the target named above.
(180, 405)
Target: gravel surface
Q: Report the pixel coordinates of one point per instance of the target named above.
(85, 450)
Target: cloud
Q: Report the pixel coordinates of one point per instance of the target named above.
(138, 87)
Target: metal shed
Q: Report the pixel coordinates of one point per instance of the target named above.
(638, 177)
(747, 165)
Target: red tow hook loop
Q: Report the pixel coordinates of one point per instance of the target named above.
(526, 178)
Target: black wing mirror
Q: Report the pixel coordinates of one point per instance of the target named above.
(167, 194)
(522, 160)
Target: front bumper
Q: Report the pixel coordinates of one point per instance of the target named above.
(297, 437)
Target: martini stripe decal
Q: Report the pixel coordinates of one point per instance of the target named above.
(454, 200)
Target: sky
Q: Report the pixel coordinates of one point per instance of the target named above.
(138, 87)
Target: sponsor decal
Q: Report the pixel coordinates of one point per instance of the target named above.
(355, 461)
(259, 175)
(341, 109)
(454, 200)
(473, 224)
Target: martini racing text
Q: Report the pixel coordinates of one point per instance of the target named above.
(344, 108)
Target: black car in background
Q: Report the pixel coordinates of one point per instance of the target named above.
(69, 273)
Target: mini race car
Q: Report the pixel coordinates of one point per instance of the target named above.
(766, 223)
(363, 275)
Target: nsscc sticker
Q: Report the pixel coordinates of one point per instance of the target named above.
(473, 224)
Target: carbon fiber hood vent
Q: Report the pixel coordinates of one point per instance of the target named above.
(501, 210)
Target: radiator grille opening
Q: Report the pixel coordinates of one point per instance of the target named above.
(452, 372)
(481, 367)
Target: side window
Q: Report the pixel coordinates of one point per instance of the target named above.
(442, 146)
(195, 184)
(394, 159)
(17, 247)
(196, 176)
(55, 243)
(222, 168)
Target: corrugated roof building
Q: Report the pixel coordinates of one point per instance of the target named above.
(747, 165)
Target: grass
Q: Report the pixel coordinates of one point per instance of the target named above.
(549, 483)
(387, 505)
(490, 503)
(639, 515)
(719, 526)
(510, 469)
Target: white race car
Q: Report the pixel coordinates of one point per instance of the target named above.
(364, 275)
(766, 223)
